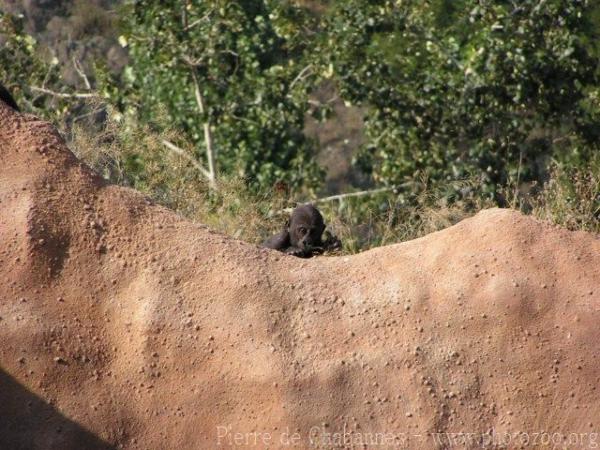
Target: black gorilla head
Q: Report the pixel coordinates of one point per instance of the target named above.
(306, 228)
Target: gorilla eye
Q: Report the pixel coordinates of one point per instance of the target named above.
(302, 230)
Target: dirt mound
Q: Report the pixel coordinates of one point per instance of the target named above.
(125, 326)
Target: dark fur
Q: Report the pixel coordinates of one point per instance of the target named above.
(7, 98)
(303, 233)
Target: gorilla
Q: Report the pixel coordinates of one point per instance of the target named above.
(302, 235)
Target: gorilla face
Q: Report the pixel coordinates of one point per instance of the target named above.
(302, 236)
(306, 228)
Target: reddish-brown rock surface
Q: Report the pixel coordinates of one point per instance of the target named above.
(123, 325)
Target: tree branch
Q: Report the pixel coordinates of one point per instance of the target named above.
(208, 140)
(183, 153)
(362, 193)
(303, 74)
(64, 95)
(198, 21)
(82, 74)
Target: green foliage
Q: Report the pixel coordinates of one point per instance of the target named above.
(465, 88)
(246, 59)
(23, 65)
(492, 92)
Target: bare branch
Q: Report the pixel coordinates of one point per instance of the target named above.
(184, 16)
(347, 195)
(198, 21)
(65, 95)
(303, 74)
(89, 113)
(208, 140)
(183, 153)
(82, 74)
(362, 193)
(191, 62)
